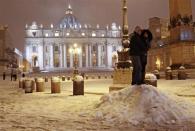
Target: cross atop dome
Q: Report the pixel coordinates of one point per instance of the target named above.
(69, 7)
(69, 10)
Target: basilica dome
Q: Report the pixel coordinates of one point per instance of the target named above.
(69, 20)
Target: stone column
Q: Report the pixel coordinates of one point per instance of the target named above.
(61, 55)
(44, 55)
(109, 55)
(71, 59)
(80, 59)
(98, 55)
(51, 56)
(40, 56)
(28, 52)
(87, 56)
(90, 58)
(65, 58)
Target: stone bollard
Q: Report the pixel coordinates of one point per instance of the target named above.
(21, 83)
(35, 79)
(112, 76)
(46, 79)
(83, 75)
(68, 78)
(29, 85)
(63, 78)
(99, 77)
(78, 85)
(157, 74)
(168, 74)
(4, 75)
(87, 77)
(182, 73)
(106, 77)
(151, 79)
(40, 85)
(55, 85)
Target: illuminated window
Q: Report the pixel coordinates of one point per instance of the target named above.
(186, 35)
(93, 34)
(94, 48)
(67, 34)
(46, 35)
(57, 34)
(51, 25)
(83, 34)
(182, 35)
(98, 26)
(46, 62)
(56, 48)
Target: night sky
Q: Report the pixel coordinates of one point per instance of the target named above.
(17, 13)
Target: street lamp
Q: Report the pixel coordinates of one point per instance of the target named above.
(75, 51)
(123, 55)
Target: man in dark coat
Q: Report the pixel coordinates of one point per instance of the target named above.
(147, 38)
(137, 48)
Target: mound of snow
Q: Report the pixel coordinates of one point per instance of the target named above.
(140, 105)
(78, 78)
(150, 76)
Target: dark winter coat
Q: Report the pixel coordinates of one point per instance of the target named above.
(147, 41)
(137, 45)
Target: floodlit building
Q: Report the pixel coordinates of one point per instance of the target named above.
(159, 28)
(177, 46)
(54, 47)
(9, 57)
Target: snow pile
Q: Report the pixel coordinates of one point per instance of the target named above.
(150, 76)
(140, 105)
(40, 79)
(182, 68)
(55, 79)
(78, 78)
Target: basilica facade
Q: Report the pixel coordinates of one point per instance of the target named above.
(69, 43)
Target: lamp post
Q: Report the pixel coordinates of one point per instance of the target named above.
(122, 73)
(123, 55)
(75, 51)
(125, 28)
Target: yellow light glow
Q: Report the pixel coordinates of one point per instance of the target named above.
(83, 34)
(70, 50)
(75, 45)
(158, 63)
(57, 34)
(78, 50)
(93, 35)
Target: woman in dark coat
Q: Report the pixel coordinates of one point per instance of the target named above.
(147, 38)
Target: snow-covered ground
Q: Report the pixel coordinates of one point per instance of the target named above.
(64, 112)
